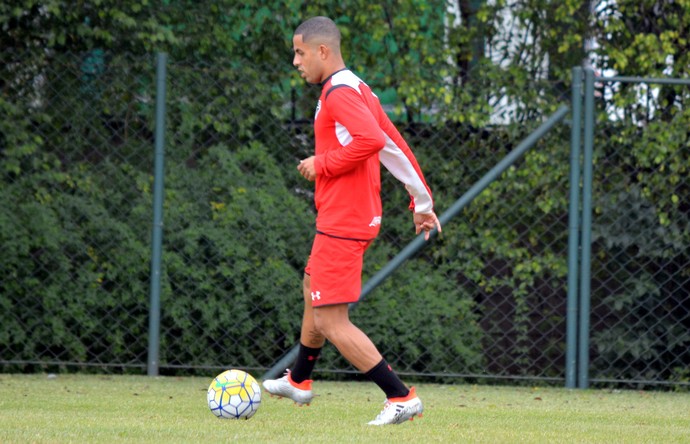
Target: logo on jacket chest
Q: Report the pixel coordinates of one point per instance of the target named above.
(376, 221)
(318, 108)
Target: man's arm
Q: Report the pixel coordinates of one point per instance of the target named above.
(357, 129)
(400, 161)
(402, 164)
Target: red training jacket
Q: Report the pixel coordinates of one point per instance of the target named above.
(353, 133)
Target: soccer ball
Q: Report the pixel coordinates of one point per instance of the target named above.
(234, 394)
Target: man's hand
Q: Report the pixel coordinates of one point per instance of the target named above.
(426, 223)
(306, 168)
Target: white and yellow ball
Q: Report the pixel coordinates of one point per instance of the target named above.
(234, 394)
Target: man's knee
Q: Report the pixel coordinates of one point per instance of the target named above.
(320, 326)
(330, 320)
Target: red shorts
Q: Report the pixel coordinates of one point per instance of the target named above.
(335, 268)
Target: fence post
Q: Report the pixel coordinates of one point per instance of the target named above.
(157, 235)
(573, 226)
(585, 274)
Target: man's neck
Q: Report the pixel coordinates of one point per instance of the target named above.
(333, 72)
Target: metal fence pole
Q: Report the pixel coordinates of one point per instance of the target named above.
(648, 80)
(157, 238)
(573, 235)
(453, 211)
(585, 274)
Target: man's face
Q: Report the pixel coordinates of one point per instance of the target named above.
(307, 60)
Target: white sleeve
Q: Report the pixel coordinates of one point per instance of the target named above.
(395, 161)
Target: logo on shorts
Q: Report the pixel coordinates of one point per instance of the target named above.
(315, 295)
(375, 221)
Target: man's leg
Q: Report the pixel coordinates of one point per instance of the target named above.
(402, 404)
(311, 341)
(295, 384)
(309, 335)
(333, 321)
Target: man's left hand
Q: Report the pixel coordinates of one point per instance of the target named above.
(426, 223)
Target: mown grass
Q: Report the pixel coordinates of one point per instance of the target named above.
(93, 408)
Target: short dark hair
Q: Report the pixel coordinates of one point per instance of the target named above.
(319, 27)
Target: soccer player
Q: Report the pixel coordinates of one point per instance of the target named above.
(353, 135)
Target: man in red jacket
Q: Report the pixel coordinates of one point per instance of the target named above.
(353, 136)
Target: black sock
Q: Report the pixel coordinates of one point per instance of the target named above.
(305, 362)
(383, 375)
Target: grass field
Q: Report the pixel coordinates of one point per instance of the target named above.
(92, 408)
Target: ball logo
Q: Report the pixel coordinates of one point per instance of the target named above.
(315, 295)
(375, 221)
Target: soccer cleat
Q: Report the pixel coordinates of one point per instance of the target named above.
(285, 387)
(399, 410)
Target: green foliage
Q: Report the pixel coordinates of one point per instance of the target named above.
(233, 235)
(76, 26)
(641, 192)
(645, 38)
(423, 319)
(76, 136)
(642, 234)
(64, 261)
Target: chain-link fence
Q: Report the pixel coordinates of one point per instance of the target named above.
(640, 287)
(486, 300)
(76, 165)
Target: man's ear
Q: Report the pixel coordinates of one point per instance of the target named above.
(323, 51)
